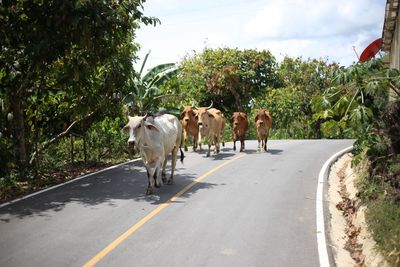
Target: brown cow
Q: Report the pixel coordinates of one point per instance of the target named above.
(263, 123)
(190, 127)
(240, 125)
(210, 121)
(217, 111)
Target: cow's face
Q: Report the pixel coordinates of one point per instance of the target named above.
(134, 128)
(188, 115)
(138, 127)
(238, 118)
(261, 118)
(203, 119)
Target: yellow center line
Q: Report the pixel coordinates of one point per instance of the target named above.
(145, 219)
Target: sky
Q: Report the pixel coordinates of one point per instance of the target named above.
(322, 29)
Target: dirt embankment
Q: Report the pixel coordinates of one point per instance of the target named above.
(349, 238)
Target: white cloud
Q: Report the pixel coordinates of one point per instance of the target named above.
(317, 29)
(287, 19)
(307, 28)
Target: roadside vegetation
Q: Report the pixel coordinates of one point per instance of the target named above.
(64, 93)
(363, 103)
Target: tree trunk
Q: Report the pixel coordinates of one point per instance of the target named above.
(84, 147)
(72, 148)
(19, 132)
(56, 138)
(237, 97)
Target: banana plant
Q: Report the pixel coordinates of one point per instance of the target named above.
(145, 94)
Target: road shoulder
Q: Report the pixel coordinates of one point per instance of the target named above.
(351, 243)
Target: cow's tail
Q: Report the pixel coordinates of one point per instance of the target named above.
(182, 155)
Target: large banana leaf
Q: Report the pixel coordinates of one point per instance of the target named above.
(153, 72)
(145, 93)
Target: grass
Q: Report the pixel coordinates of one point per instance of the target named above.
(383, 218)
(383, 211)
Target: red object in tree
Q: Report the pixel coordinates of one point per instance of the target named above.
(371, 50)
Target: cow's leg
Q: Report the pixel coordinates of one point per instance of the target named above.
(163, 172)
(150, 177)
(263, 143)
(158, 165)
(157, 178)
(195, 137)
(199, 140)
(259, 140)
(185, 139)
(234, 140)
(158, 174)
(266, 139)
(241, 143)
(209, 149)
(217, 145)
(173, 164)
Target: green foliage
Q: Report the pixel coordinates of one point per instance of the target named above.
(8, 186)
(145, 92)
(357, 105)
(230, 78)
(289, 120)
(383, 218)
(290, 104)
(310, 76)
(354, 102)
(106, 140)
(62, 62)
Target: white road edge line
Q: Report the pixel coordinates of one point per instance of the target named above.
(68, 182)
(321, 240)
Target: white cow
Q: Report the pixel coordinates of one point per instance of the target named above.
(156, 137)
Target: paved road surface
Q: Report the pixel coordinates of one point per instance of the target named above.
(258, 209)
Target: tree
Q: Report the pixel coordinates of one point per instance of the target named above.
(290, 102)
(289, 120)
(308, 77)
(229, 77)
(311, 75)
(63, 61)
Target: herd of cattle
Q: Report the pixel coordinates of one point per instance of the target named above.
(157, 136)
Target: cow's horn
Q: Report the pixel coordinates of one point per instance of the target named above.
(145, 116)
(210, 105)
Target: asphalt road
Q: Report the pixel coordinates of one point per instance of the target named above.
(244, 209)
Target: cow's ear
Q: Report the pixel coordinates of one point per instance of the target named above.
(182, 114)
(267, 115)
(256, 118)
(211, 115)
(152, 127)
